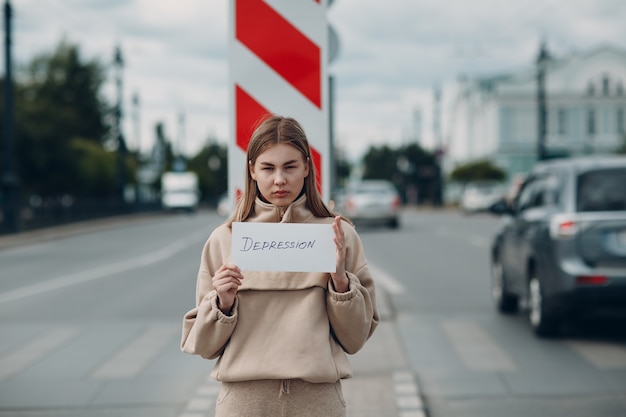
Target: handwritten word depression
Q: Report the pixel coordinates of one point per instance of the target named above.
(250, 244)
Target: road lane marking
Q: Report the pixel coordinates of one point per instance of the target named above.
(601, 355)
(477, 350)
(391, 284)
(131, 360)
(102, 271)
(26, 355)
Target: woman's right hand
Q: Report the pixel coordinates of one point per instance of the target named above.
(226, 282)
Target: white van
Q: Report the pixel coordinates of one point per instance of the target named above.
(179, 191)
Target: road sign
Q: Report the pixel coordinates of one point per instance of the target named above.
(278, 55)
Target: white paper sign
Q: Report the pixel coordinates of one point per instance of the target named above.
(290, 247)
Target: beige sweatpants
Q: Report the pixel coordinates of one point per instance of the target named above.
(280, 398)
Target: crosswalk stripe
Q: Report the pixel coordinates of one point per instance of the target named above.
(131, 360)
(26, 355)
(477, 350)
(601, 355)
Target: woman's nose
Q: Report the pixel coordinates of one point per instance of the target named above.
(280, 178)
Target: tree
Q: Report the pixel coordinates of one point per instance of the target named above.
(412, 169)
(211, 165)
(341, 170)
(379, 163)
(482, 170)
(60, 124)
(68, 90)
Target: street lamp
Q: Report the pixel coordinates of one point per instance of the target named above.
(542, 112)
(118, 63)
(10, 181)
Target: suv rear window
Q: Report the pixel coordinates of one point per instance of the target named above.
(602, 190)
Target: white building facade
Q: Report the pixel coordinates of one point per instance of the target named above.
(497, 118)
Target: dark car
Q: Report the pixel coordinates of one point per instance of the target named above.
(562, 250)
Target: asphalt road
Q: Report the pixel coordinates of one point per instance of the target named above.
(469, 360)
(90, 323)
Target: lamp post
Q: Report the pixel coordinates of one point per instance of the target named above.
(118, 63)
(542, 112)
(10, 181)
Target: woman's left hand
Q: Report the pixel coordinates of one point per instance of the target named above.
(339, 277)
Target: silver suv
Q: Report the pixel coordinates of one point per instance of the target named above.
(562, 249)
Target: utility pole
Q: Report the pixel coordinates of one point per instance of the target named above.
(180, 162)
(10, 181)
(542, 112)
(136, 123)
(331, 136)
(438, 191)
(118, 63)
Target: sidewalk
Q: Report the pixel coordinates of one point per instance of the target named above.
(383, 384)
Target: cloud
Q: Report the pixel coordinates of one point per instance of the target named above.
(392, 55)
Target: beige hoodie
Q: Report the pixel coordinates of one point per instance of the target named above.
(283, 325)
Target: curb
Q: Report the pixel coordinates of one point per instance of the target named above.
(410, 400)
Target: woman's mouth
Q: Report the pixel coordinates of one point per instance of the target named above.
(281, 193)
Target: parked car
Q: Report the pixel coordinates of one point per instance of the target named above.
(562, 251)
(372, 201)
(478, 196)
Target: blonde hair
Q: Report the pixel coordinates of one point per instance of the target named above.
(269, 132)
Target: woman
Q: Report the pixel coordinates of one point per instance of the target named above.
(281, 337)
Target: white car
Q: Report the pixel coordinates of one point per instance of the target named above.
(372, 201)
(480, 196)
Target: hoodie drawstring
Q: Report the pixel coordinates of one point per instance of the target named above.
(284, 388)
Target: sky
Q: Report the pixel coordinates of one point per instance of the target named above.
(392, 56)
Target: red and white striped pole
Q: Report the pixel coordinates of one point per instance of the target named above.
(278, 64)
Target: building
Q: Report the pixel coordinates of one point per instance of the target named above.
(497, 117)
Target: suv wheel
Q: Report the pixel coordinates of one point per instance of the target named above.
(504, 301)
(544, 323)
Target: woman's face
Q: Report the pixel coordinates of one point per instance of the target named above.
(279, 173)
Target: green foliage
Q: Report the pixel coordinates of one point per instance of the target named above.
(342, 171)
(60, 125)
(211, 165)
(477, 171)
(95, 168)
(65, 91)
(379, 163)
(413, 170)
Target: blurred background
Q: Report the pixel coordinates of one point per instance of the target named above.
(107, 96)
